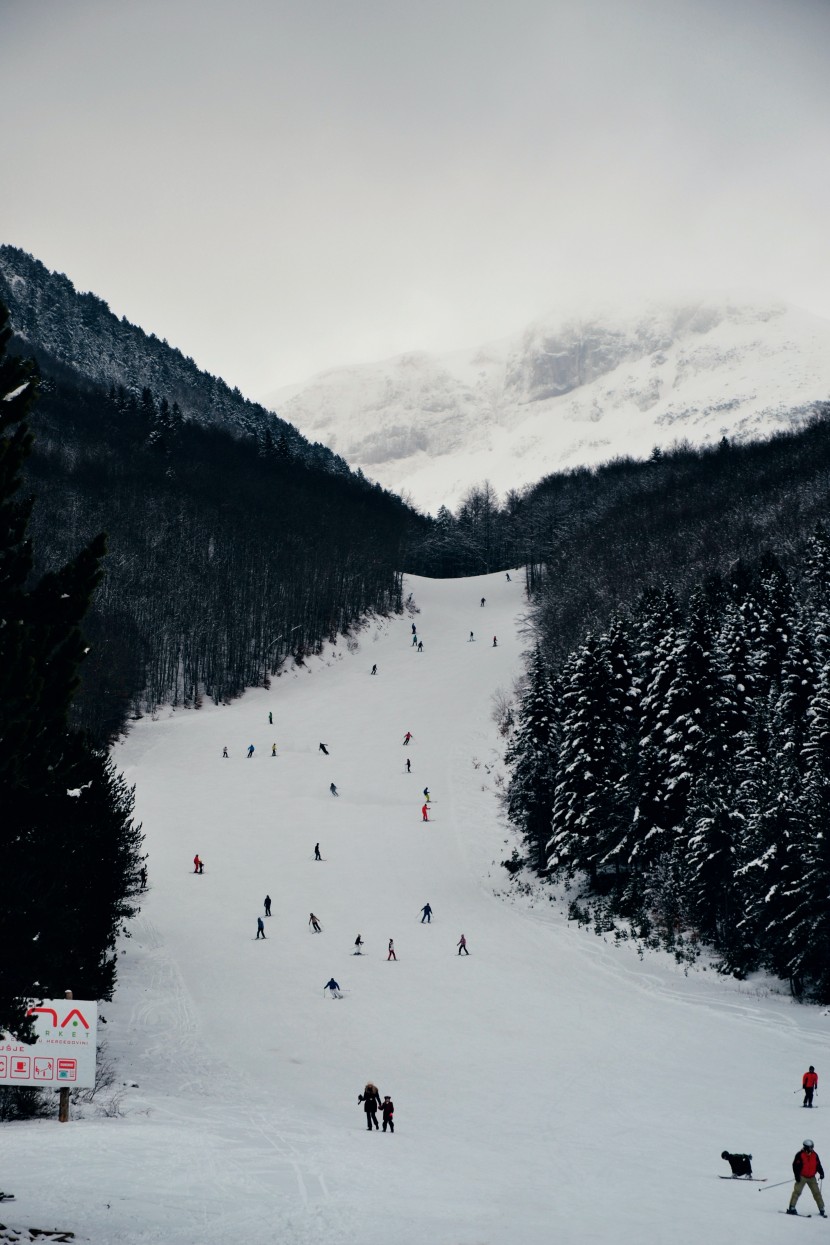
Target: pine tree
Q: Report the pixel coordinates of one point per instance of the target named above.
(590, 811)
(532, 753)
(57, 851)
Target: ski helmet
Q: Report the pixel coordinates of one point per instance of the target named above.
(807, 1144)
(725, 1154)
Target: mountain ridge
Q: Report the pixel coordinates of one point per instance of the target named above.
(570, 390)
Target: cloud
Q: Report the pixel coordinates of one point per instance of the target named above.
(277, 188)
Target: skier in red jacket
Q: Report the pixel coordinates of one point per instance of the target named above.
(809, 1083)
(806, 1166)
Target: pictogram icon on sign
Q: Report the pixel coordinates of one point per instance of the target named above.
(44, 1068)
(67, 1069)
(20, 1067)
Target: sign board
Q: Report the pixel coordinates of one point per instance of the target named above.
(63, 1052)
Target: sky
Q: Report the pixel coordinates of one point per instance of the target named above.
(279, 188)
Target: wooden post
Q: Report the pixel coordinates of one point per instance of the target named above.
(63, 1092)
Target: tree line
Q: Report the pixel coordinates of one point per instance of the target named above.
(675, 766)
(226, 554)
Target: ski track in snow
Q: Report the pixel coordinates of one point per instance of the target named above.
(549, 1087)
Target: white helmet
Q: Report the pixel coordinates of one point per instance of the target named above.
(807, 1144)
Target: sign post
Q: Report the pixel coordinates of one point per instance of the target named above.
(62, 1054)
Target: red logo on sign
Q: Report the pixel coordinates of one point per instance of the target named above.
(20, 1067)
(50, 1011)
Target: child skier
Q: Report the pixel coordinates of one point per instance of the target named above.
(388, 1110)
(332, 985)
(260, 927)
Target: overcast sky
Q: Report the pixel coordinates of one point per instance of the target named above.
(278, 188)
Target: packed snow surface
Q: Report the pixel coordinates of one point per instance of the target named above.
(573, 389)
(549, 1088)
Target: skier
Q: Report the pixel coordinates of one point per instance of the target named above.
(407, 738)
(374, 669)
(425, 812)
(420, 646)
(462, 945)
(323, 748)
(471, 638)
(809, 1083)
(197, 864)
(414, 628)
(317, 855)
(260, 927)
(391, 955)
(427, 914)
(270, 719)
(388, 1109)
(495, 642)
(507, 573)
(225, 751)
(314, 923)
(426, 794)
(371, 1101)
(806, 1166)
(273, 750)
(250, 751)
(142, 877)
(408, 766)
(482, 600)
(414, 639)
(358, 942)
(267, 904)
(332, 985)
(333, 789)
(741, 1164)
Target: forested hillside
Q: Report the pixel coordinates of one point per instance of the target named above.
(671, 752)
(57, 325)
(225, 554)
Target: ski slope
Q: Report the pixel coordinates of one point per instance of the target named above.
(549, 1087)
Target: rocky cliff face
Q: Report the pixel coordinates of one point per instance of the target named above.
(568, 391)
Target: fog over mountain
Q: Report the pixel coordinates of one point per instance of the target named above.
(570, 390)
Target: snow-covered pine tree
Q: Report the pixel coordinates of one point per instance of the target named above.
(713, 837)
(808, 934)
(532, 755)
(591, 812)
(799, 677)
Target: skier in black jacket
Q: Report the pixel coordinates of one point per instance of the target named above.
(741, 1164)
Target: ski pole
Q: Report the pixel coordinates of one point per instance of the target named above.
(775, 1186)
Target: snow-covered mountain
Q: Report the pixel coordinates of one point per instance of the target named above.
(568, 391)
